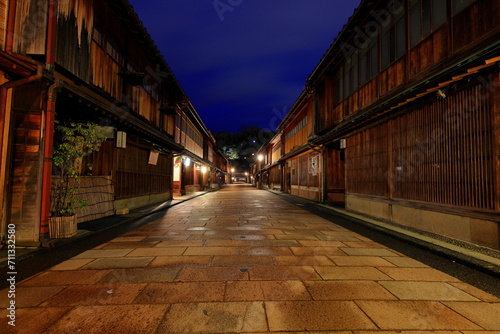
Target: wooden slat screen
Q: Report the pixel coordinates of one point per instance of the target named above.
(438, 153)
(367, 162)
(136, 184)
(301, 175)
(443, 151)
(275, 175)
(104, 72)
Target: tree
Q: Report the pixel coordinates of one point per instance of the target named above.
(78, 140)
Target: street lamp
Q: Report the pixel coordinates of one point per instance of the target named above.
(260, 157)
(246, 177)
(231, 175)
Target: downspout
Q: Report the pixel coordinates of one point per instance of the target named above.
(11, 21)
(323, 193)
(49, 128)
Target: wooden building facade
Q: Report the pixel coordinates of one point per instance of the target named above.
(88, 61)
(404, 111)
(200, 165)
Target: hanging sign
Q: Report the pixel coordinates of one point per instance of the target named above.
(153, 157)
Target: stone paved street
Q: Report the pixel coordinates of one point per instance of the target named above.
(242, 260)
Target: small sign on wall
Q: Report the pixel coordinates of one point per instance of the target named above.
(121, 139)
(313, 165)
(153, 157)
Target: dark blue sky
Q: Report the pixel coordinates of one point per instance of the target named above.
(243, 62)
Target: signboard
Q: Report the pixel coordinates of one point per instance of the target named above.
(153, 157)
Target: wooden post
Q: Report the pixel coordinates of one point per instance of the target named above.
(495, 89)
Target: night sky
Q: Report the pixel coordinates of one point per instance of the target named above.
(243, 62)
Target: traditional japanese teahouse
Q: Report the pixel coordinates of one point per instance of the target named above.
(400, 119)
(90, 61)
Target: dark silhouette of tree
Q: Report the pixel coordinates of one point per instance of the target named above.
(240, 147)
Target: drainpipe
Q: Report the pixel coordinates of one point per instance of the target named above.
(11, 20)
(49, 128)
(323, 172)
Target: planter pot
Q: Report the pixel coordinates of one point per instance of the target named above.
(62, 227)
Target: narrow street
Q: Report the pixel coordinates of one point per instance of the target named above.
(242, 260)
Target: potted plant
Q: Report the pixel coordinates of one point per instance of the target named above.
(77, 140)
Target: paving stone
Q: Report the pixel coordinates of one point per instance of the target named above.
(369, 252)
(339, 237)
(361, 261)
(228, 243)
(181, 261)
(101, 253)
(319, 243)
(411, 332)
(313, 233)
(126, 262)
(300, 251)
(347, 290)
(142, 275)
(242, 261)
(58, 278)
(129, 245)
(296, 237)
(251, 237)
(212, 251)
(283, 273)
(127, 239)
(316, 315)
(274, 243)
(265, 251)
(31, 320)
(480, 294)
(319, 260)
(352, 273)
(157, 251)
(28, 296)
(166, 293)
(417, 274)
(364, 244)
(110, 319)
(167, 238)
(181, 243)
(485, 315)
(266, 290)
(426, 291)
(207, 267)
(405, 262)
(212, 274)
(417, 315)
(100, 294)
(215, 318)
(71, 264)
